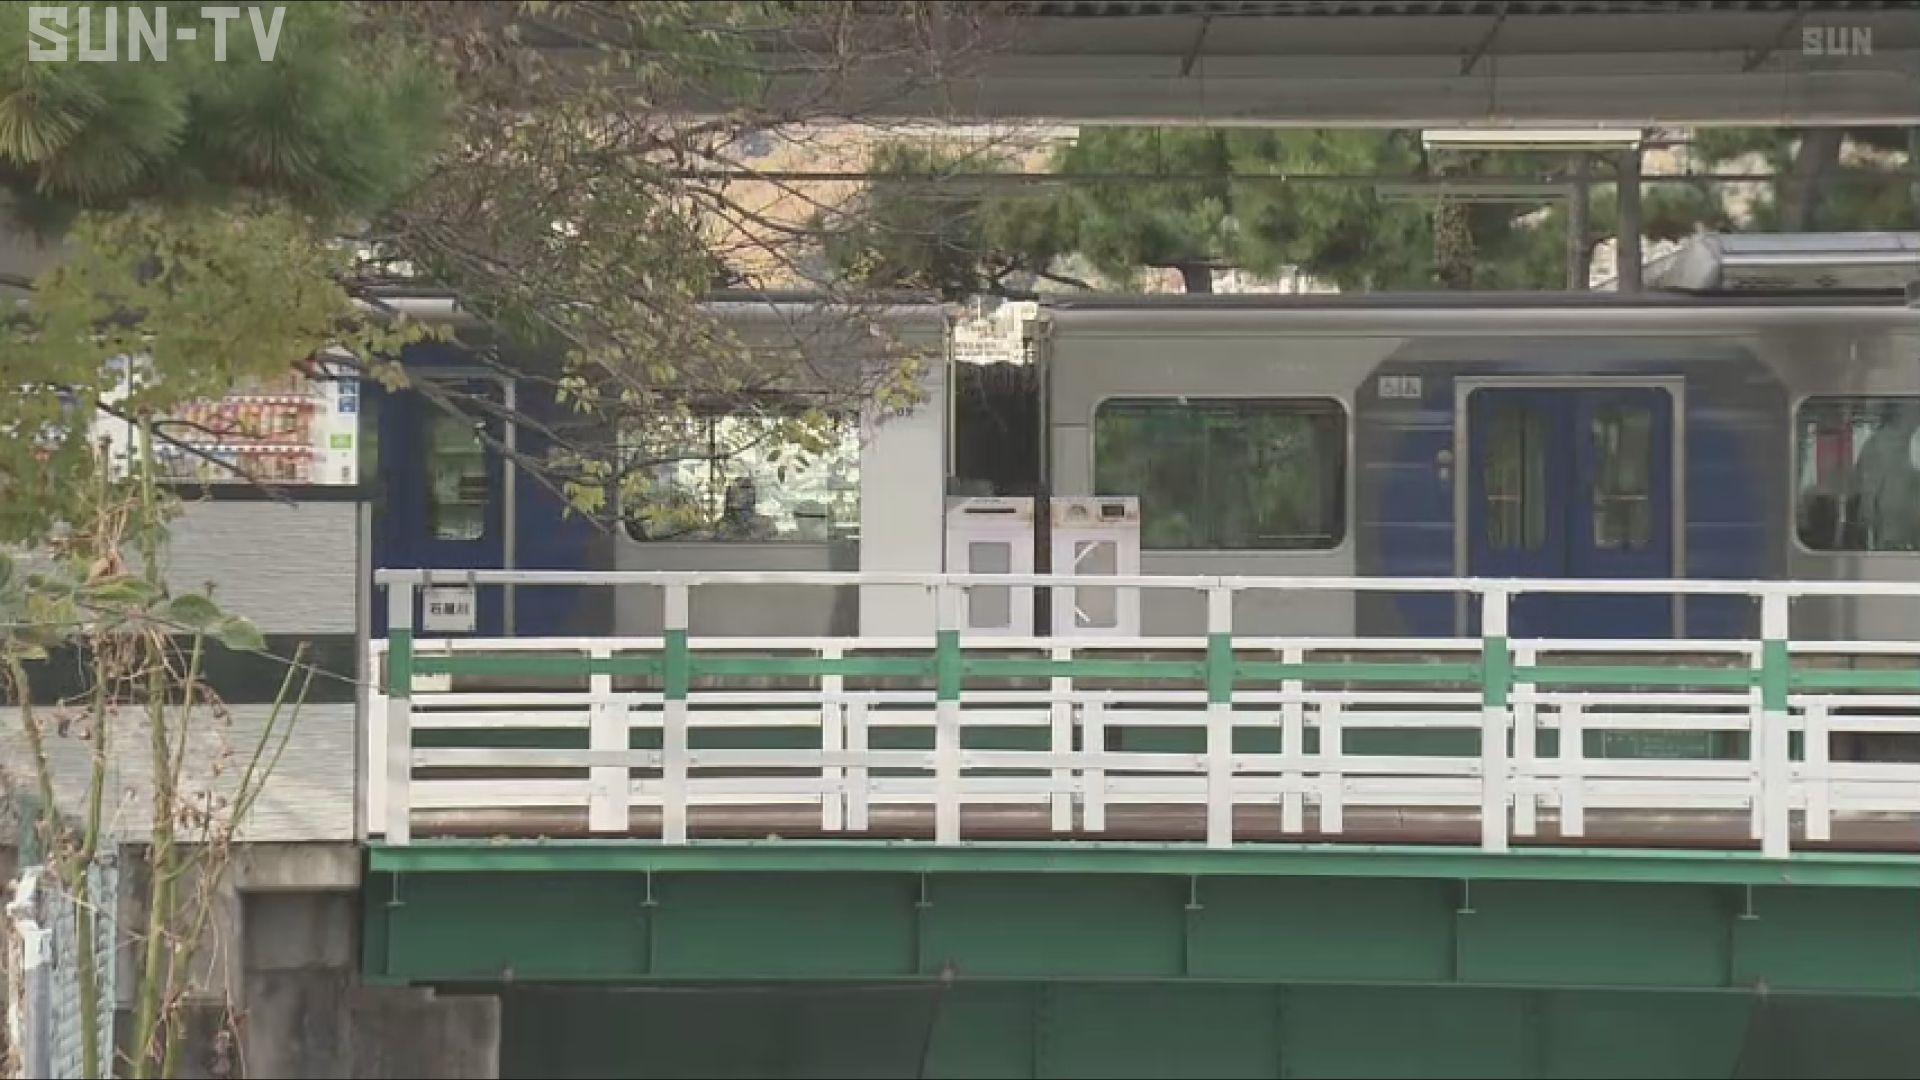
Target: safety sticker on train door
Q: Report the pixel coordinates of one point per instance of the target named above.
(1398, 387)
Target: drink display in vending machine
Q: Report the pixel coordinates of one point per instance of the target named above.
(299, 429)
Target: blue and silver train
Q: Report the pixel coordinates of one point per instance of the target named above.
(1762, 423)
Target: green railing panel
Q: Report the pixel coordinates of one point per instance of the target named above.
(400, 662)
(1358, 671)
(870, 666)
(1776, 669)
(676, 670)
(1497, 683)
(1219, 668)
(1634, 675)
(947, 665)
(1085, 669)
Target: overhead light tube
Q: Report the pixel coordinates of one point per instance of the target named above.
(1532, 138)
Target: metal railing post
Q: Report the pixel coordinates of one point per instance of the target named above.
(1060, 738)
(946, 724)
(1220, 717)
(833, 744)
(1819, 774)
(1293, 744)
(608, 785)
(676, 674)
(1496, 685)
(399, 744)
(1770, 727)
(1526, 719)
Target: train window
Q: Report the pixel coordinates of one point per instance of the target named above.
(457, 481)
(1622, 478)
(1516, 480)
(743, 478)
(1857, 477)
(1227, 474)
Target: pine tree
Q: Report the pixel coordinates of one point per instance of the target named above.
(1186, 224)
(1214, 211)
(919, 227)
(338, 123)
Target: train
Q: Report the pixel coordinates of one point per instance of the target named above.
(1758, 419)
(1610, 436)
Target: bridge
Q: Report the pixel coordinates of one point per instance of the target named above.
(1219, 741)
(1602, 827)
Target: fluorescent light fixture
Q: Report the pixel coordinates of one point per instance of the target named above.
(1532, 139)
(1470, 191)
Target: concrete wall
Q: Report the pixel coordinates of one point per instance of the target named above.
(307, 1015)
(295, 570)
(308, 796)
(290, 568)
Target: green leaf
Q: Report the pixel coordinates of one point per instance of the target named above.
(240, 634)
(195, 611)
(123, 591)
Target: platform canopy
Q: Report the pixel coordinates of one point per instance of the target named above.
(1409, 64)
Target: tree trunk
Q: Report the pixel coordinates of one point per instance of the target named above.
(1799, 191)
(1579, 246)
(1453, 253)
(1627, 264)
(1196, 277)
(1452, 244)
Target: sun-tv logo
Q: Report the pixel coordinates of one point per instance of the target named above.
(97, 31)
(1836, 41)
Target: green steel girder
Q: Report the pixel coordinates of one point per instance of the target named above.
(1058, 1030)
(585, 912)
(1657, 865)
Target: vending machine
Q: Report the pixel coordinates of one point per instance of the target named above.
(1096, 536)
(992, 535)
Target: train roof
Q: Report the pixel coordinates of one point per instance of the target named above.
(1475, 301)
(1652, 311)
(1784, 261)
(1596, 313)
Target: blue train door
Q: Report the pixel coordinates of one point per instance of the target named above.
(441, 500)
(1573, 483)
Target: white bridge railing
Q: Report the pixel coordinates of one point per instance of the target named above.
(1220, 739)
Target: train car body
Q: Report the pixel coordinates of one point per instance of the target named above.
(1587, 436)
(869, 500)
(1597, 437)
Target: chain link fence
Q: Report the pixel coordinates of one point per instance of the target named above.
(43, 976)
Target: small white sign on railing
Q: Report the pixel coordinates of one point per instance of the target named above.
(448, 609)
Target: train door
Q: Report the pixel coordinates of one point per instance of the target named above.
(442, 500)
(1573, 482)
